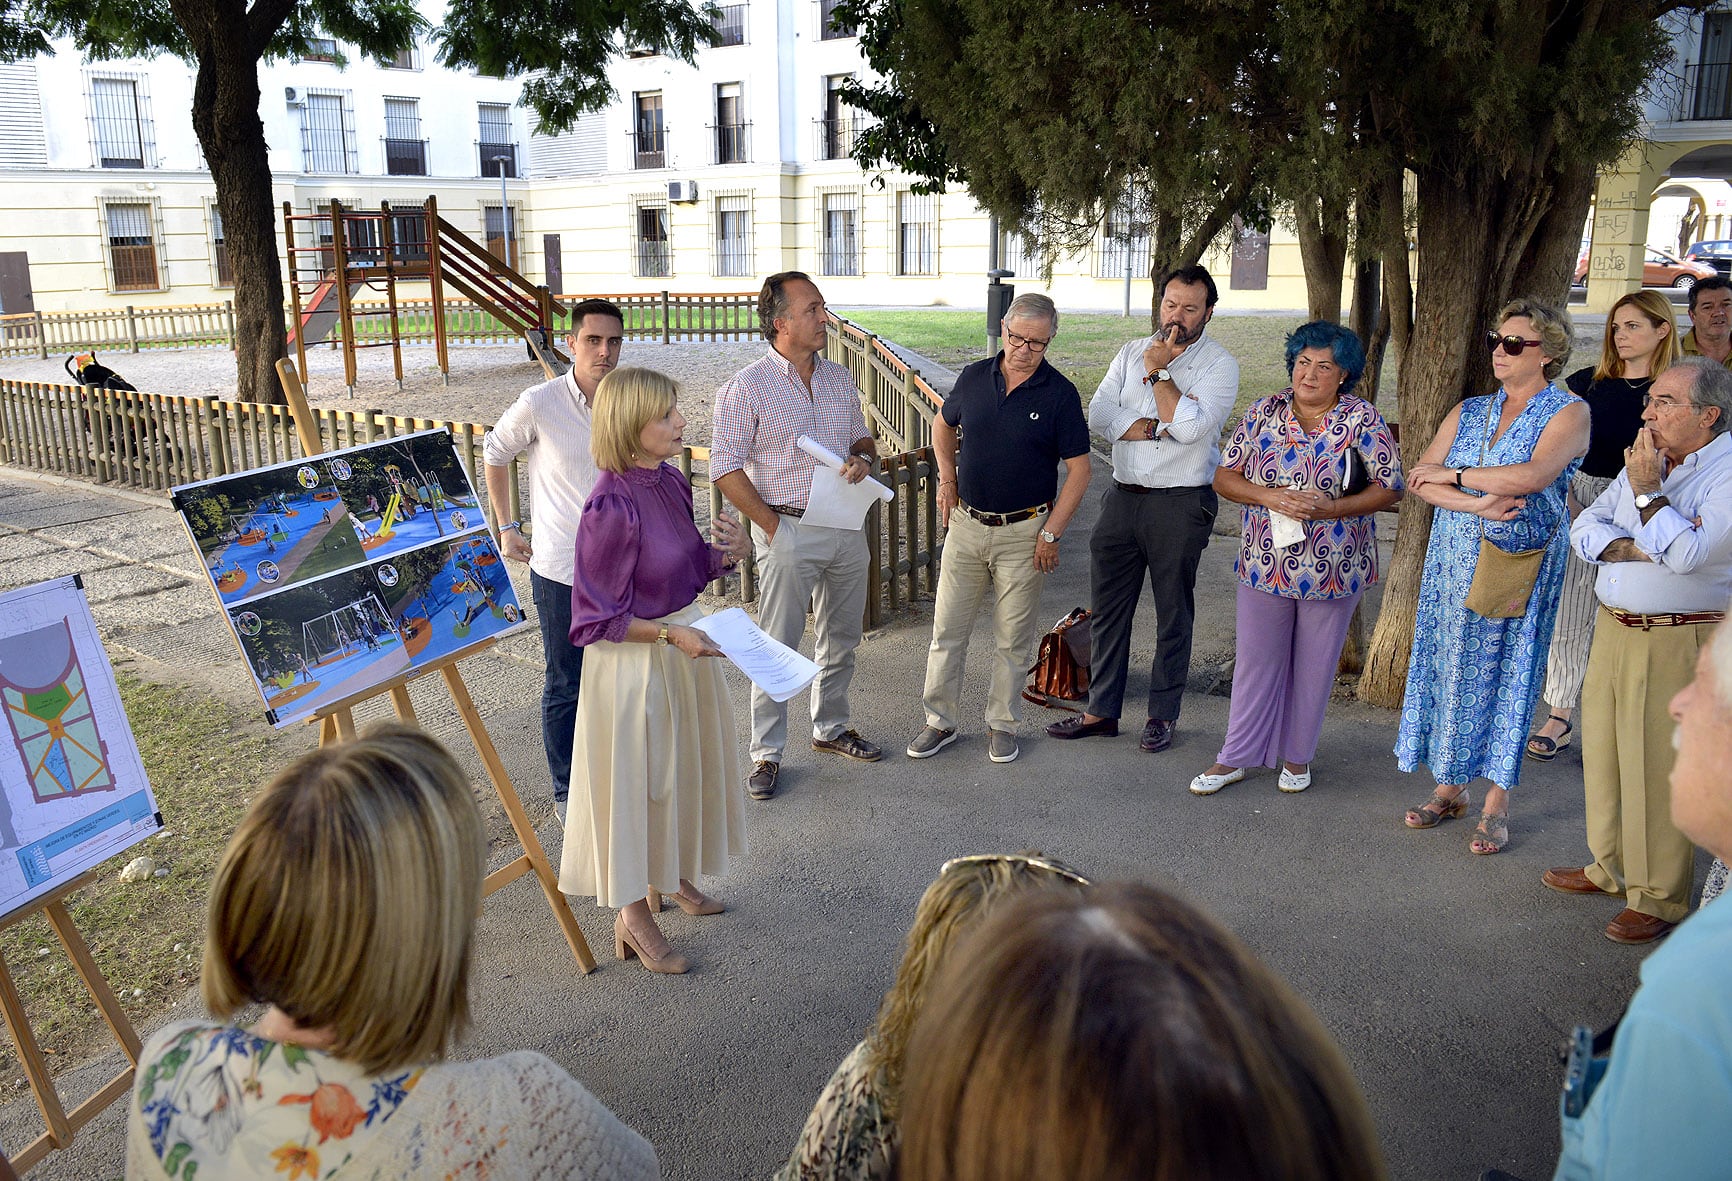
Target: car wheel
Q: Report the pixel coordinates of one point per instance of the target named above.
(1684, 282)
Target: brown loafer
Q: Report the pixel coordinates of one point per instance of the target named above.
(761, 783)
(1157, 736)
(1080, 727)
(1567, 879)
(1632, 926)
(849, 743)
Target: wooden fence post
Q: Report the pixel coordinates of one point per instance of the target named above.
(667, 328)
(131, 329)
(41, 335)
(229, 313)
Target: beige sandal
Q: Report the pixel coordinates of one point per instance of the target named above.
(1438, 809)
(1491, 835)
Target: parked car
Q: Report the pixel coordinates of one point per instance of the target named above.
(1660, 269)
(1717, 254)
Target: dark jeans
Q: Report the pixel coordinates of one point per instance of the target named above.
(564, 671)
(1164, 532)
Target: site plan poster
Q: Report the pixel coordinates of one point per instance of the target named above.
(73, 792)
(343, 571)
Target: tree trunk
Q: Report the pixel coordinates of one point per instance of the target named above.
(1322, 227)
(225, 116)
(1397, 265)
(1369, 318)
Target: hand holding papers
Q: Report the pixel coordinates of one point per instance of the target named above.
(834, 503)
(773, 666)
(1284, 530)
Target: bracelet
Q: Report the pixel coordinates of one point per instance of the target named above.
(517, 525)
(662, 638)
(1459, 473)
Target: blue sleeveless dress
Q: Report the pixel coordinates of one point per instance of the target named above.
(1472, 682)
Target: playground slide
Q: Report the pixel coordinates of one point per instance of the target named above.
(321, 311)
(553, 362)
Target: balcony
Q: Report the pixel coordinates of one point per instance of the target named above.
(835, 137)
(1706, 93)
(405, 157)
(732, 142)
(491, 162)
(649, 147)
(730, 24)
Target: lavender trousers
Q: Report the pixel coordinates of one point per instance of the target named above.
(1284, 670)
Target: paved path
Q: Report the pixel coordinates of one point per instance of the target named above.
(1448, 979)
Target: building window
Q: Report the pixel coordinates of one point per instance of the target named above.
(223, 269)
(1711, 97)
(405, 59)
(649, 136)
(836, 128)
(327, 133)
(916, 234)
(731, 126)
(827, 22)
(730, 24)
(405, 150)
(841, 246)
(496, 141)
(733, 244)
(1124, 244)
(653, 259)
(501, 232)
(132, 253)
(120, 123)
(320, 49)
(1019, 252)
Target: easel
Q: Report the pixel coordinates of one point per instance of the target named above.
(337, 724)
(61, 1124)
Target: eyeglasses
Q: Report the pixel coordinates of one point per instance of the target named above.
(1026, 860)
(1512, 345)
(1664, 402)
(1032, 345)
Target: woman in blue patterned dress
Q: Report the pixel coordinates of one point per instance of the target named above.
(1499, 468)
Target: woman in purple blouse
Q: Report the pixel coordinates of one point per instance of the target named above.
(655, 764)
(1308, 554)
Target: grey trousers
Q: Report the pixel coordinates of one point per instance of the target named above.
(1162, 532)
(823, 571)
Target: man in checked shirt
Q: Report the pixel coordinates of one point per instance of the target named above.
(755, 462)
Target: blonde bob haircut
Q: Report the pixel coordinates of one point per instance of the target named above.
(626, 401)
(1653, 306)
(1556, 332)
(347, 899)
(1120, 1035)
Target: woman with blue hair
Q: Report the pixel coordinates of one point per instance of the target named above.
(1312, 465)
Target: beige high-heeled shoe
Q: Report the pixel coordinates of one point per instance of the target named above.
(702, 904)
(625, 945)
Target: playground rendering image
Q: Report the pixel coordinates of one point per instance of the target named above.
(264, 530)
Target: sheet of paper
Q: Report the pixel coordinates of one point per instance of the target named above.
(1284, 530)
(833, 502)
(772, 666)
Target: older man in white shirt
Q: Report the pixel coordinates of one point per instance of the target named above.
(1163, 403)
(549, 423)
(1661, 535)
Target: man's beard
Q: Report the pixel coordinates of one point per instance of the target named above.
(1178, 334)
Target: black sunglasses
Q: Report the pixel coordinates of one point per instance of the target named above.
(1512, 345)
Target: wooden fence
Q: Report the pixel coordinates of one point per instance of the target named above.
(114, 329)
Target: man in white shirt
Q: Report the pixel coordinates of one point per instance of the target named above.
(1661, 535)
(1163, 403)
(549, 424)
(1710, 332)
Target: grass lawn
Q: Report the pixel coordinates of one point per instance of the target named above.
(205, 760)
(1086, 345)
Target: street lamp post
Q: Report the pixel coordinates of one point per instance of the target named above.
(504, 206)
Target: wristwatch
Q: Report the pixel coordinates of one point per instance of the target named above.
(1049, 536)
(1160, 375)
(1648, 499)
(662, 638)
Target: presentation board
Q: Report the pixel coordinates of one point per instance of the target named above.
(343, 571)
(73, 791)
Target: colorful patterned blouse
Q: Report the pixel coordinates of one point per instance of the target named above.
(1338, 558)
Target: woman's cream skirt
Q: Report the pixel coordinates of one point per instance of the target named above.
(656, 789)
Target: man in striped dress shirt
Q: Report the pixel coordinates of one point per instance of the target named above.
(756, 462)
(549, 424)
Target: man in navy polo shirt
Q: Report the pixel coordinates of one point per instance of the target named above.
(1005, 514)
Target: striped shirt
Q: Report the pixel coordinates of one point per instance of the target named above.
(763, 410)
(550, 423)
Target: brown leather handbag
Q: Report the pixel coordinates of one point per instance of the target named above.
(1061, 669)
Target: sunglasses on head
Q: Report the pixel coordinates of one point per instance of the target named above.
(1028, 861)
(1512, 345)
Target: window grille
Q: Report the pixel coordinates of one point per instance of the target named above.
(219, 248)
(503, 240)
(120, 123)
(405, 150)
(916, 234)
(1110, 256)
(841, 243)
(1019, 252)
(653, 258)
(731, 128)
(836, 128)
(132, 251)
(732, 249)
(327, 133)
(409, 232)
(730, 23)
(649, 135)
(496, 141)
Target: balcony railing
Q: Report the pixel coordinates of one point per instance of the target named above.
(730, 24)
(491, 164)
(1706, 94)
(649, 147)
(652, 258)
(732, 142)
(835, 137)
(405, 157)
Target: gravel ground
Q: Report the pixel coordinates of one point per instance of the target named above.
(484, 378)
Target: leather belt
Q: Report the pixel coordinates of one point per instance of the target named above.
(787, 510)
(1141, 490)
(996, 519)
(1668, 619)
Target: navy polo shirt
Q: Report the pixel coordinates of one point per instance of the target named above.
(1012, 444)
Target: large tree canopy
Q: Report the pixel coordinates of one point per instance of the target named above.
(564, 45)
(1499, 112)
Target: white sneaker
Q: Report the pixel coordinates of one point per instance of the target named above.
(1294, 781)
(1207, 784)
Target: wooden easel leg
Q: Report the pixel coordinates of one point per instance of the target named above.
(35, 1065)
(100, 992)
(400, 700)
(532, 850)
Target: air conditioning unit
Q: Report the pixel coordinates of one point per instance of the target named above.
(293, 96)
(682, 192)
